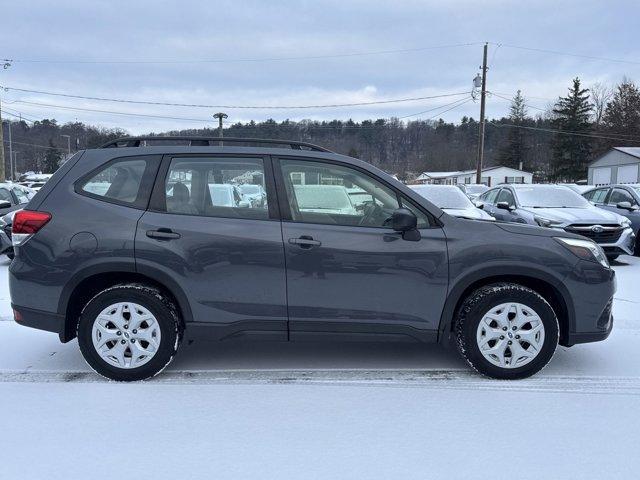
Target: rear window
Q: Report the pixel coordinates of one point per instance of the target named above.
(120, 181)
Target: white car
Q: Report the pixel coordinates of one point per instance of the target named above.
(451, 199)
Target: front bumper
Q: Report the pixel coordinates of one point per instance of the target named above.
(625, 244)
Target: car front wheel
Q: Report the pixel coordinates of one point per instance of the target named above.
(129, 332)
(506, 331)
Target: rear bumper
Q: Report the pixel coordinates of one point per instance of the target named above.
(47, 321)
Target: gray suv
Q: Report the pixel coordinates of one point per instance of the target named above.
(134, 246)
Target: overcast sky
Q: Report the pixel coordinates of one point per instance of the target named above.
(145, 31)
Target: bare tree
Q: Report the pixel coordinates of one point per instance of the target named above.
(600, 96)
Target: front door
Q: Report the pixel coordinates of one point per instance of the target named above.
(347, 270)
(223, 251)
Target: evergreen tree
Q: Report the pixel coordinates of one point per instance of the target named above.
(570, 151)
(51, 158)
(622, 114)
(513, 153)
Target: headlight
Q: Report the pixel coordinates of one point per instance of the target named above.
(626, 223)
(585, 249)
(546, 222)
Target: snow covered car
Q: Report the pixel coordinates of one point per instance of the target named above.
(472, 190)
(560, 208)
(163, 254)
(451, 199)
(254, 194)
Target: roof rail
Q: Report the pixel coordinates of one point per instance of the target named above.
(208, 141)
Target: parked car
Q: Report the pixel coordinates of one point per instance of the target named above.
(134, 270)
(6, 224)
(472, 190)
(560, 208)
(621, 199)
(12, 197)
(452, 200)
(254, 194)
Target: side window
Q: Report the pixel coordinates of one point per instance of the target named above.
(336, 195)
(21, 196)
(598, 196)
(619, 195)
(505, 195)
(217, 187)
(119, 181)
(489, 196)
(5, 196)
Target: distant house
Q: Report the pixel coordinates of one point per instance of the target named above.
(618, 165)
(490, 176)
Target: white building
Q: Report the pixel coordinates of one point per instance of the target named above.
(490, 176)
(618, 165)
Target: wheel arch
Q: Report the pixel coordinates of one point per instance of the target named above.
(550, 288)
(87, 284)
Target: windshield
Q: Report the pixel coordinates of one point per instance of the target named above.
(444, 197)
(550, 196)
(476, 188)
(250, 189)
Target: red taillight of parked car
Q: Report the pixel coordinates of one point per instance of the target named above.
(26, 223)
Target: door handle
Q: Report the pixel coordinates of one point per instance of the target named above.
(163, 234)
(305, 241)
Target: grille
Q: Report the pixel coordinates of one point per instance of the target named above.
(609, 233)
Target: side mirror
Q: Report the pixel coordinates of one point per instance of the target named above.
(403, 220)
(5, 204)
(479, 204)
(504, 206)
(627, 206)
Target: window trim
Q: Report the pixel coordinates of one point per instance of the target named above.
(157, 203)
(146, 183)
(283, 200)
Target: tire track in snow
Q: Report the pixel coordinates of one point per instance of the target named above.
(436, 379)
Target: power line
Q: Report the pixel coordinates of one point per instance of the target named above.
(561, 132)
(111, 112)
(458, 102)
(249, 60)
(33, 145)
(256, 107)
(568, 54)
(511, 99)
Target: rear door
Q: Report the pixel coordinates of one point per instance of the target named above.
(224, 254)
(347, 270)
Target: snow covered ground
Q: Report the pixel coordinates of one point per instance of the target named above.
(271, 410)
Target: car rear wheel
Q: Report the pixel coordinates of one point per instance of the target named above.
(129, 332)
(506, 331)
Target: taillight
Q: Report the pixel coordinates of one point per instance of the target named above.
(25, 224)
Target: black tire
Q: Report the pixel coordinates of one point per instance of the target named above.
(478, 303)
(165, 312)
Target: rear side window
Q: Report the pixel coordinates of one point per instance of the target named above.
(217, 187)
(598, 196)
(126, 181)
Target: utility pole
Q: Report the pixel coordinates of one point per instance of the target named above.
(68, 137)
(483, 95)
(220, 116)
(10, 152)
